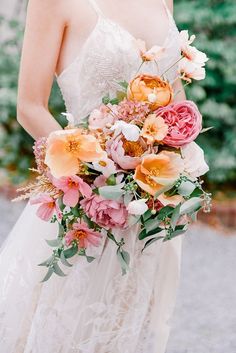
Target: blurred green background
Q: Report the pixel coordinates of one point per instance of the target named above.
(213, 22)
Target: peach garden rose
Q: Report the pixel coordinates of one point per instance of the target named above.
(150, 89)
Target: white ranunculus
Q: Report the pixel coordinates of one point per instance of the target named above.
(194, 162)
(137, 207)
(130, 131)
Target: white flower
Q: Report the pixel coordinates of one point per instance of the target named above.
(194, 162)
(130, 131)
(195, 55)
(189, 70)
(106, 166)
(70, 118)
(154, 53)
(137, 207)
(185, 40)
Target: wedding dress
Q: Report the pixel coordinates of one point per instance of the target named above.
(94, 309)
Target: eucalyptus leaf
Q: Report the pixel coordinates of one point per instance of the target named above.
(175, 216)
(152, 223)
(191, 205)
(48, 274)
(154, 231)
(151, 241)
(147, 215)
(64, 260)
(186, 188)
(58, 270)
(143, 234)
(90, 258)
(165, 212)
(124, 259)
(111, 192)
(70, 252)
(61, 230)
(46, 262)
(53, 242)
(163, 190)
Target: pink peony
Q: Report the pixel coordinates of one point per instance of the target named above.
(72, 187)
(127, 154)
(83, 236)
(47, 208)
(102, 118)
(106, 213)
(184, 123)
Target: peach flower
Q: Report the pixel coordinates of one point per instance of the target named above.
(67, 148)
(154, 53)
(150, 89)
(154, 128)
(83, 236)
(156, 171)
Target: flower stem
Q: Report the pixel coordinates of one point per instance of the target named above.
(171, 66)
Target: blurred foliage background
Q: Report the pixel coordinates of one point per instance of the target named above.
(214, 23)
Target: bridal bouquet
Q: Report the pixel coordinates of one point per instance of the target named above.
(134, 160)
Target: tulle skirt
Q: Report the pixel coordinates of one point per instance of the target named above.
(94, 309)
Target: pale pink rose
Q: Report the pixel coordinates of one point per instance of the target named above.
(184, 121)
(72, 187)
(106, 213)
(82, 235)
(127, 154)
(47, 208)
(102, 118)
(190, 71)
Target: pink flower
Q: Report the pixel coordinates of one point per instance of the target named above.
(134, 111)
(106, 213)
(102, 118)
(39, 149)
(83, 235)
(47, 208)
(125, 153)
(190, 71)
(72, 187)
(155, 53)
(184, 121)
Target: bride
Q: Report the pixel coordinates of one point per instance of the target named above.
(87, 45)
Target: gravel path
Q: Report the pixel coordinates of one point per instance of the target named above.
(204, 320)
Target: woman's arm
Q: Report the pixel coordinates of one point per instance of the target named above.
(45, 24)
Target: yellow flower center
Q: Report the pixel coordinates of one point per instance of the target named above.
(72, 184)
(133, 148)
(102, 163)
(80, 234)
(51, 204)
(72, 146)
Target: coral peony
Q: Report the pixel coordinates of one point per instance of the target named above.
(67, 148)
(106, 213)
(184, 121)
(82, 235)
(154, 128)
(156, 171)
(150, 89)
(72, 187)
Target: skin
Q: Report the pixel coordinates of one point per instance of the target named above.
(54, 34)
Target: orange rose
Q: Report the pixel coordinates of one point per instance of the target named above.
(67, 148)
(150, 89)
(158, 170)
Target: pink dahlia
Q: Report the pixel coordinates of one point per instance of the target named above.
(83, 235)
(184, 123)
(106, 213)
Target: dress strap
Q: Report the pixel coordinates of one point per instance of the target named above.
(96, 7)
(167, 8)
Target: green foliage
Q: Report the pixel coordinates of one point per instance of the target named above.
(214, 23)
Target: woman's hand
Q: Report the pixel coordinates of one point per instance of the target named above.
(45, 25)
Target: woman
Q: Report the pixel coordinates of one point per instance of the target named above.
(88, 45)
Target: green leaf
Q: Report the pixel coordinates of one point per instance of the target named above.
(111, 192)
(58, 270)
(148, 214)
(124, 259)
(54, 243)
(90, 258)
(151, 241)
(61, 230)
(175, 216)
(75, 211)
(165, 212)
(152, 223)
(186, 188)
(123, 84)
(63, 260)
(106, 99)
(163, 190)
(111, 180)
(70, 252)
(46, 262)
(191, 205)
(143, 234)
(155, 231)
(48, 275)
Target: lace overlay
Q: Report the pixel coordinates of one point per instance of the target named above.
(94, 309)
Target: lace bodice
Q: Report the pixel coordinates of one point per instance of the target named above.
(110, 54)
